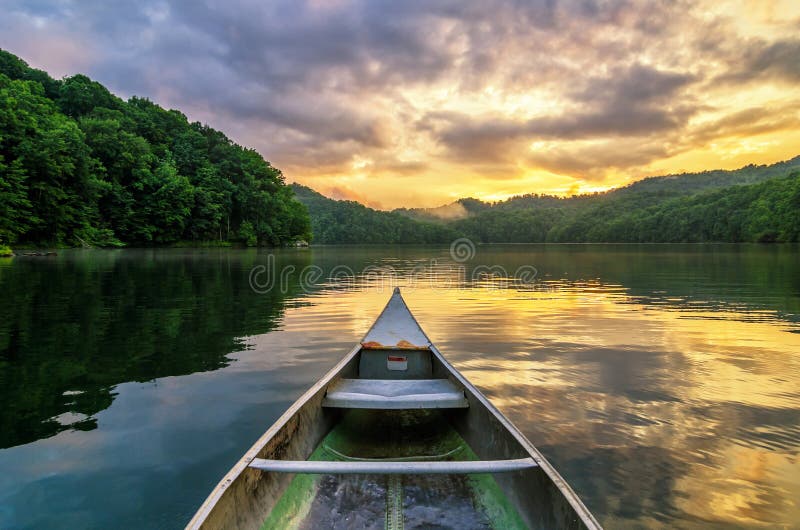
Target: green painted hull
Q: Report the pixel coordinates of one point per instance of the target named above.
(378, 501)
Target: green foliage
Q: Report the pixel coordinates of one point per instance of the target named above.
(753, 204)
(5, 251)
(248, 234)
(15, 208)
(15, 68)
(98, 237)
(79, 95)
(79, 165)
(48, 174)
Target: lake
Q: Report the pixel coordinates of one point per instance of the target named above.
(662, 381)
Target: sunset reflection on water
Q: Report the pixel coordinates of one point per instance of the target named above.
(659, 412)
(661, 381)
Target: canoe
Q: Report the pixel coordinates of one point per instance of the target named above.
(393, 436)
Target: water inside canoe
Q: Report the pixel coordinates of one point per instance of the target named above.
(396, 501)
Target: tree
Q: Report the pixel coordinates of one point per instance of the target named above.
(16, 216)
(45, 153)
(78, 163)
(165, 203)
(79, 95)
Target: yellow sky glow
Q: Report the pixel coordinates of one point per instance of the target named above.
(700, 139)
(419, 105)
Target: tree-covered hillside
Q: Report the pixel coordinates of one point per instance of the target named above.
(350, 222)
(80, 165)
(753, 204)
(691, 183)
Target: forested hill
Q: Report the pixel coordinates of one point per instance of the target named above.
(351, 222)
(80, 165)
(690, 183)
(768, 211)
(752, 204)
(668, 186)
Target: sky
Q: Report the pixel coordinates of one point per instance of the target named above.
(406, 103)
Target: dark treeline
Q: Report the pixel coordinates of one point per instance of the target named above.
(349, 222)
(80, 165)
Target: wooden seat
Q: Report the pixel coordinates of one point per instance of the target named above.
(394, 394)
(393, 468)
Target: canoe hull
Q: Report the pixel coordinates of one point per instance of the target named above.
(245, 496)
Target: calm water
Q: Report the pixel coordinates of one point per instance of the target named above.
(663, 382)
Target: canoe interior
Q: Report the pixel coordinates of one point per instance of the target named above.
(532, 498)
(416, 501)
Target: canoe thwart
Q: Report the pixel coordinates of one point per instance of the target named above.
(393, 468)
(395, 394)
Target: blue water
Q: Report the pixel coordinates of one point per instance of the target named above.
(662, 381)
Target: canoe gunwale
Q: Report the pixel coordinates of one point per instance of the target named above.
(471, 391)
(243, 463)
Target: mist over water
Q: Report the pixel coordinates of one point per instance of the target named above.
(663, 381)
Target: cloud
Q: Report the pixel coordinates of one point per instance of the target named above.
(749, 122)
(457, 92)
(55, 50)
(761, 59)
(637, 101)
(592, 161)
(454, 210)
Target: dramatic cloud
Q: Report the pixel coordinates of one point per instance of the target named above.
(418, 103)
(779, 60)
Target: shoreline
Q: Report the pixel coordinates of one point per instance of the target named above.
(46, 250)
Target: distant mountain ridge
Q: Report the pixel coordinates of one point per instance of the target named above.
(754, 203)
(673, 184)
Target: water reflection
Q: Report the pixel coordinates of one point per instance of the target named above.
(72, 328)
(662, 381)
(643, 411)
